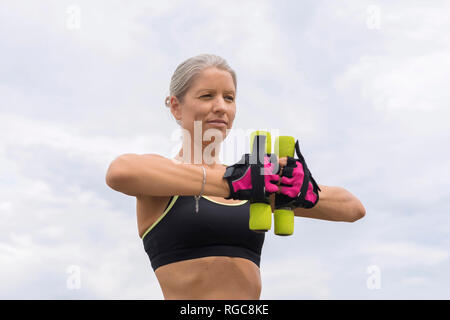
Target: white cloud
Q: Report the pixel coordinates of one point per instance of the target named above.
(50, 224)
(405, 254)
(22, 133)
(406, 86)
(299, 278)
(405, 78)
(369, 108)
(416, 281)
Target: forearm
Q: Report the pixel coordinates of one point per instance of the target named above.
(158, 176)
(335, 204)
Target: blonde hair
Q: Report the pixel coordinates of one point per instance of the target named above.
(185, 74)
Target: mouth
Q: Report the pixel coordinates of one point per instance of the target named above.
(218, 122)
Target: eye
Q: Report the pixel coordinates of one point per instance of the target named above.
(231, 98)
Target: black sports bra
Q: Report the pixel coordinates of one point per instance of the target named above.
(217, 229)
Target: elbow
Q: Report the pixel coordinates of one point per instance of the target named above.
(358, 213)
(118, 172)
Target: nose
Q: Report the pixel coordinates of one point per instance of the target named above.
(219, 105)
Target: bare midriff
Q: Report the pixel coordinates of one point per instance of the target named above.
(213, 278)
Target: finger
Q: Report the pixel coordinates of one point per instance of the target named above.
(282, 161)
(273, 178)
(289, 191)
(287, 180)
(270, 187)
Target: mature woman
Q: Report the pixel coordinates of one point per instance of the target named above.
(192, 217)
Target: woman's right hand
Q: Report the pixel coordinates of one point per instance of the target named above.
(243, 187)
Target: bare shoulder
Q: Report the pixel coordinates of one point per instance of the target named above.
(150, 155)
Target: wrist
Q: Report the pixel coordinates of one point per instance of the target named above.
(216, 185)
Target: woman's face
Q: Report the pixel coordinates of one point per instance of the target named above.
(210, 97)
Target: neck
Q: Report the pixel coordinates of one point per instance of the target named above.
(206, 154)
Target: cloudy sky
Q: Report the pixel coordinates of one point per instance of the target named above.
(361, 84)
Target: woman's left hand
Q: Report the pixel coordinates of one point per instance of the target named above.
(296, 186)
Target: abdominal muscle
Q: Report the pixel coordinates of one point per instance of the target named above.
(214, 278)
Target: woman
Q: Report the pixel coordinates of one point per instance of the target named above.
(201, 247)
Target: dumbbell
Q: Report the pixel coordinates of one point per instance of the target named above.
(284, 215)
(260, 209)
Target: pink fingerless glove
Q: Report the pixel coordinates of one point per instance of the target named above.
(243, 187)
(298, 187)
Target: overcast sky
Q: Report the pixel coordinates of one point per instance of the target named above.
(363, 85)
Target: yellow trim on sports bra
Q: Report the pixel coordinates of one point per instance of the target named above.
(162, 216)
(174, 199)
(173, 202)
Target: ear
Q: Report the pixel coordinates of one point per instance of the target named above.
(175, 107)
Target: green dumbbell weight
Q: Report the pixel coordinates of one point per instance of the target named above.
(260, 209)
(284, 216)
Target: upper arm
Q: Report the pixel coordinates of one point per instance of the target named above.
(153, 175)
(120, 170)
